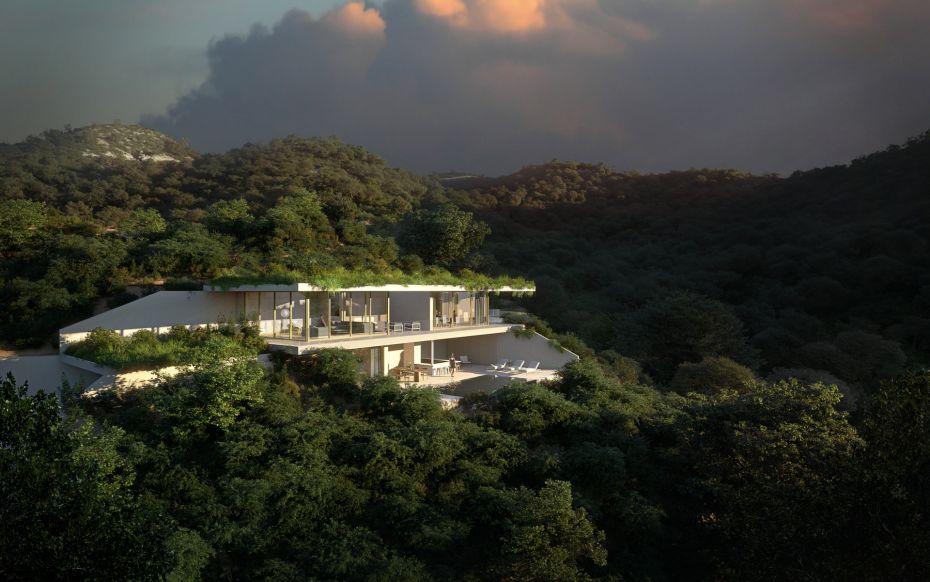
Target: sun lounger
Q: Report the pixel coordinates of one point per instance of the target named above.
(515, 368)
(531, 367)
(500, 365)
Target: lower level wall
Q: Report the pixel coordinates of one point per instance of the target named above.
(488, 350)
(44, 372)
(158, 312)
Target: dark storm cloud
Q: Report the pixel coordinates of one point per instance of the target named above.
(489, 85)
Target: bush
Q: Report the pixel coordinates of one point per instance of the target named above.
(145, 349)
(332, 370)
(712, 375)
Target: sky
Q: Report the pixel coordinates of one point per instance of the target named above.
(484, 86)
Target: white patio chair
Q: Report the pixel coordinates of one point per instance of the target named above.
(531, 367)
(500, 365)
(415, 326)
(463, 359)
(515, 368)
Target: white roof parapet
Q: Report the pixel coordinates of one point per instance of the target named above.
(307, 287)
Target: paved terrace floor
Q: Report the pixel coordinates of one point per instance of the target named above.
(470, 371)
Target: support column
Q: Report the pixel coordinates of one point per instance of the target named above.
(350, 314)
(274, 314)
(329, 315)
(290, 315)
(307, 319)
(389, 313)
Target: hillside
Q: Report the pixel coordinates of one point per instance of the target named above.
(744, 409)
(826, 270)
(79, 220)
(114, 142)
(86, 170)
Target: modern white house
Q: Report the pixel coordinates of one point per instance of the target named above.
(411, 331)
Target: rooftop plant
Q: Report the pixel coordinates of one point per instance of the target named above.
(343, 278)
(180, 346)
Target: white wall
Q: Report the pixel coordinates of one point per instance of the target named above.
(44, 372)
(158, 312)
(393, 356)
(490, 349)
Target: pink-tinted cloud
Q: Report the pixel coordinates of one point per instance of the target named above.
(356, 18)
(450, 9)
(841, 16)
(502, 16)
(487, 85)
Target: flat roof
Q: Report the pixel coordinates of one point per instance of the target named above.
(308, 287)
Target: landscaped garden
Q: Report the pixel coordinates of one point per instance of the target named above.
(146, 349)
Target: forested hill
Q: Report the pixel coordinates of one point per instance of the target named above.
(84, 171)
(823, 274)
(827, 271)
(86, 212)
(702, 435)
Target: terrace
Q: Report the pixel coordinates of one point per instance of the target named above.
(336, 318)
(468, 373)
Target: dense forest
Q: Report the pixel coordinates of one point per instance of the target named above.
(751, 402)
(823, 275)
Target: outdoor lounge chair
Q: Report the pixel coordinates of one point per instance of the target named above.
(463, 359)
(515, 368)
(531, 367)
(500, 365)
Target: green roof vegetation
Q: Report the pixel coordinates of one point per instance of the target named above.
(145, 350)
(344, 278)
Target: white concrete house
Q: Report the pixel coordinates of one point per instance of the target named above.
(408, 331)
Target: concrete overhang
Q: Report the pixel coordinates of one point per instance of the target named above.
(374, 341)
(308, 287)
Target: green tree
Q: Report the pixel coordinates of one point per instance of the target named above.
(685, 327)
(542, 537)
(711, 375)
(68, 507)
(893, 512)
(330, 370)
(143, 222)
(446, 237)
(21, 222)
(297, 223)
(230, 217)
(211, 394)
(191, 250)
(769, 476)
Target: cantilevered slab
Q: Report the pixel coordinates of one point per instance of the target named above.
(309, 287)
(347, 342)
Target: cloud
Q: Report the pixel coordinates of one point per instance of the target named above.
(489, 85)
(845, 16)
(503, 16)
(356, 18)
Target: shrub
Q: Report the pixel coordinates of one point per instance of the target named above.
(712, 375)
